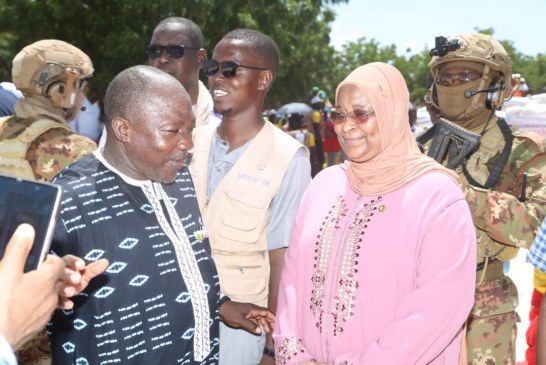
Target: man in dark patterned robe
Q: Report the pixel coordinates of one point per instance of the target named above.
(133, 202)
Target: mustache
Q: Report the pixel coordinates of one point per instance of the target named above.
(180, 156)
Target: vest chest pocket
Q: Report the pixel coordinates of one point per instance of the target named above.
(245, 215)
(478, 158)
(244, 280)
(479, 165)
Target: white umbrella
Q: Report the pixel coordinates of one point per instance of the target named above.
(295, 108)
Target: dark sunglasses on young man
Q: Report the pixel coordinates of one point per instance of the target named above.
(173, 51)
(359, 116)
(227, 68)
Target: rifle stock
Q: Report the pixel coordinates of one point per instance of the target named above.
(453, 142)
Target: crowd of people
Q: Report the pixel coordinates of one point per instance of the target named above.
(197, 232)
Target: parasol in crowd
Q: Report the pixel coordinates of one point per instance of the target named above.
(294, 108)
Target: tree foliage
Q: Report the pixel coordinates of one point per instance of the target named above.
(114, 33)
(532, 68)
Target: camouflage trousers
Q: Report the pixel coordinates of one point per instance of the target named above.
(492, 330)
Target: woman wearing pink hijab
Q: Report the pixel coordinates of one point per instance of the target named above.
(381, 265)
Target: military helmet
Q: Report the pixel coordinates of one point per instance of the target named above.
(41, 64)
(474, 47)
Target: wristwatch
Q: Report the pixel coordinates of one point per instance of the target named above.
(269, 352)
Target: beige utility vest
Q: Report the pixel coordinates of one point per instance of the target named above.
(13, 150)
(236, 216)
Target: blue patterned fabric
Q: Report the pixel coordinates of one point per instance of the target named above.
(140, 310)
(537, 252)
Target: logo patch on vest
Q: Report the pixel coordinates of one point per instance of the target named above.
(254, 179)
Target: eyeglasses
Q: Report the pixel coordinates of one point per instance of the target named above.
(447, 78)
(227, 68)
(359, 116)
(173, 51)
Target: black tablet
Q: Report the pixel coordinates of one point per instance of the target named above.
(32, 202)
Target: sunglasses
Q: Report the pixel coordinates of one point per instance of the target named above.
(173, 51)
(447, 78)
(227, 68)
(359, 116)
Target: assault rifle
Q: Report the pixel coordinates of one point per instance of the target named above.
(453, 142)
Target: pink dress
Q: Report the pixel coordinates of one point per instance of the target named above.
(377, 279)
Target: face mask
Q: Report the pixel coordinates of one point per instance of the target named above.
(452, 102)
(455, 107)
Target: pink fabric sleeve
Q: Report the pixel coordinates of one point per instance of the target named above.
(446, 275)
(288, 335)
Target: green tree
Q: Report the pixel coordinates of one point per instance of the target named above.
(414, 66)
(533, 69)
(362, 51)
(114, 32)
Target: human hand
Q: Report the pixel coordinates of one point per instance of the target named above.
(247, 316)
(27, 299)
(262, 316)
(267, 360)
(77, 276)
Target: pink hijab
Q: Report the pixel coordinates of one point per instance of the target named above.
(399, 160)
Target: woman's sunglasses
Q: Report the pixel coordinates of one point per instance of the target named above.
(359, 116)
(227, 68)
(173, 51)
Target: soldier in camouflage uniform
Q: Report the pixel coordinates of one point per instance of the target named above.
(503, 178)
(36, 142)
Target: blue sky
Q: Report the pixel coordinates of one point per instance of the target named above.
(415, 23)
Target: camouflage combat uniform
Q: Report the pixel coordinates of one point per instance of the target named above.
(48, 154)
(503, 225)
(54, 149)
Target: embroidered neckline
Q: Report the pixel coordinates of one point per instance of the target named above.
(323, 253)
(187, 264)
(289, 348)
(341, 307)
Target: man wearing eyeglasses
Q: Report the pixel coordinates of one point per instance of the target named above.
(249, 178)
(503, 178)
(176, 47)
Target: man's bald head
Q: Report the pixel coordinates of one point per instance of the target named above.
(134, 89)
